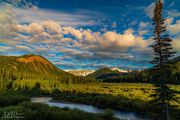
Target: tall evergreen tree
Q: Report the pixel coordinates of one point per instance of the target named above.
(162, 45)
(163, 51)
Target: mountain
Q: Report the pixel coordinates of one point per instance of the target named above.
(80, 72)
(29, 67)
(148, 75)
(175, 60)
(103, 73)
(118, 75)
(120, 70)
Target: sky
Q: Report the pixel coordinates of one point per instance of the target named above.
(85, 34)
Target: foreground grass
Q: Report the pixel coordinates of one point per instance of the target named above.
(17, 104)
(37, 111)
(123, 96)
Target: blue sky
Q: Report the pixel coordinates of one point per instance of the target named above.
(85, 34)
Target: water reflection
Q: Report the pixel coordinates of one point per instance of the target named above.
(88, 108)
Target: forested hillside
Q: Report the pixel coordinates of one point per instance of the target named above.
(146, 75)
(29, 67)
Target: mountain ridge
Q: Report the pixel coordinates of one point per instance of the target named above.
(103, 72)
(108, 75)
(30, 67)
(80, 72)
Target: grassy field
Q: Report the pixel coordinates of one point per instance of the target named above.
(139, 91)
(121, 96)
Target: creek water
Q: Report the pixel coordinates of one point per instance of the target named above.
(88, 108)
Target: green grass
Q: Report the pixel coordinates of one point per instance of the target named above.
(132, 91)
(37, 111)
(17, 104)
(125, 96)
(12, 98)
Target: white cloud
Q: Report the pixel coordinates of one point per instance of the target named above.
(73, 31)
(88, 35)
(49, 26)
(174, 13)
(22, 3)
(24, 48)
(176, 44)
(129, 31)
(143, 24)
(5, 48)
(34, 28)
(150, 10)
(66, 40)
(52, 31)
(142, 32)
(68, 19)
(6, 19)
(52, 26)
(143, 28)
(110, 39)
(175, 28)
(168, 21)
(84, 43)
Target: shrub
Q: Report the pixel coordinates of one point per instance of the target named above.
(12, 98)
(108, 114)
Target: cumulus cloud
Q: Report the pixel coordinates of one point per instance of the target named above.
(88, 35)
(80, 42)
(176, 44)
(52, 26)
(73, 31)
(48, 26)
(50, 32)
(168, 21)
(33, 28)
(122, 41)
(174, 28)
(6, 19)
(66, 40)
(129, 31)
(112, 39)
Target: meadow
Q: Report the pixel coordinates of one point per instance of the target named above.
(135, 97)
(140, 91)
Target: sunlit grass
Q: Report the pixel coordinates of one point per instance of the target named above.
(140, 91)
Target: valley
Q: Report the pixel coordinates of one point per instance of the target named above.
(36, 76)
(89, 60)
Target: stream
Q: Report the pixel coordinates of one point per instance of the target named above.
(88, 108)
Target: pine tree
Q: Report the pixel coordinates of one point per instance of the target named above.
(163, 52)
